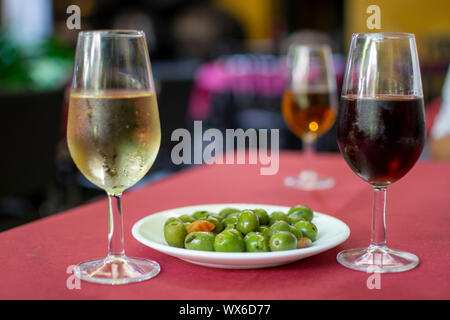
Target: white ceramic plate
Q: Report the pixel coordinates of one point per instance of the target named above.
(150, 232)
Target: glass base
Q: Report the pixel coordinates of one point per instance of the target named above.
(309, 180)
(117, 270)
(377, 259)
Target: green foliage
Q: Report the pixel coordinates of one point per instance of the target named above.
(42, 67)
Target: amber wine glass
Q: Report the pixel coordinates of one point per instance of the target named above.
(113, 135)
(309, 106)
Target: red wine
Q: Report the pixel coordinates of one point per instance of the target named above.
(381, 138)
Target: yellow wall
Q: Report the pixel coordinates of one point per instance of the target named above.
(255, 16)
(424, 18)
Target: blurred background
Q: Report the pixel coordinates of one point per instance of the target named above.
(219, 61)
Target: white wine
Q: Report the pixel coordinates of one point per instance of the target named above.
(113, 136)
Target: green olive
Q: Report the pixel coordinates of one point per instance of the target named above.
(283, 240)
(199, 215)
(203, 241)
(278, 226)
(231, 226)
(302, 211)
(308, 229)
(295, 217)
(236, 232)
(226, 211)
(174, 233)
(277, 216)
(296, 232)
(232, 218)
(218, 224)
(256, 242)
(247, 222)
(229, 241)
(263, 216)
(217, 217)
(172, 219)
(186, 218)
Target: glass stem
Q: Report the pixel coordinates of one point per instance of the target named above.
(308, 151)
(378, 232)
(115, 226)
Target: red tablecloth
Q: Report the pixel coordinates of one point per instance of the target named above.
(35, 257)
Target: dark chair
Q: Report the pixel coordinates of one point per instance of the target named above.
(29, 128)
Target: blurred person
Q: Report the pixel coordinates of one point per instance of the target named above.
(134, 18)
(439, 145)
(304, 37)
(204, 31)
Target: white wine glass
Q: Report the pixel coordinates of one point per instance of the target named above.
(114, 135)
